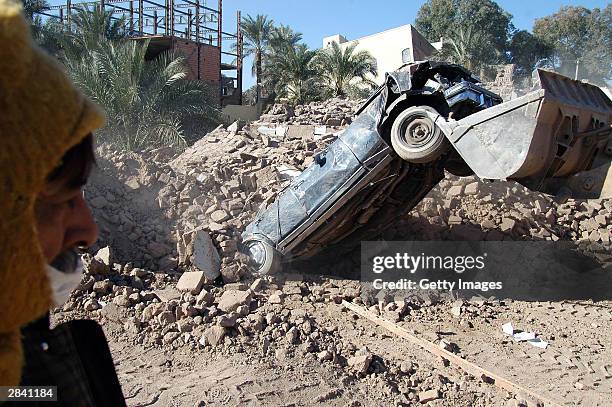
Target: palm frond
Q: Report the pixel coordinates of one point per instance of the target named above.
(339, 68)
(147, 103)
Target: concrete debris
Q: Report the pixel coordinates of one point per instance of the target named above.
(170, 226)
(429, 395)
(214, 335)
(232, 299)
(204, 255)
(167, 294)
(205, 298)
(275, 298)
(360, 363)
(191, 282)
(105, 256)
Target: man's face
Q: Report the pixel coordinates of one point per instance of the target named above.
(63, 220)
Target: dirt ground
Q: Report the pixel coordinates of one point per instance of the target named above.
(291, 342)
(575, 369)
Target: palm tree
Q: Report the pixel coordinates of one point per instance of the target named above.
(283, 36)
(30, 9)
(338, 68)
(147, 103)
(257, 32)
(466, 48)
(90, 26)
(50, 35)
(294, 74)
(283, 41)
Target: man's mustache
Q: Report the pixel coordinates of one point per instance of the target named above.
(67, 261)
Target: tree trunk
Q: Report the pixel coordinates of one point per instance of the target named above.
(258, 74)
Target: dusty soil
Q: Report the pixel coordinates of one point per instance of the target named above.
(293, 343)
(574, 369)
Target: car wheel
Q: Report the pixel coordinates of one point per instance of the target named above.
(264, 257)
(415, 137)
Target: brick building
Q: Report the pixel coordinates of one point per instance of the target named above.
(192, 29)
(203, 60)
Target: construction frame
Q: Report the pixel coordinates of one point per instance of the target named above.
(194, 21)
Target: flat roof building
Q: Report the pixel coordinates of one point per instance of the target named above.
(391, 48)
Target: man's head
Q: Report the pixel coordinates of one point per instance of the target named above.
(63, 219)
(44, 123)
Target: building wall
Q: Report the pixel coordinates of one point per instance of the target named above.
(247, 113)
(209, 60)
(387, 48)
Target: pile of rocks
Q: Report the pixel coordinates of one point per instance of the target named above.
(167, 216)
(471, 209)
(160, 309)
(162, 211)
(281, 318)
(332, 112)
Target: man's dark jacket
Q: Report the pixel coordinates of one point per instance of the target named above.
(73, 356)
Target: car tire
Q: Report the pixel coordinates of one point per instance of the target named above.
(270, 262)
(415, 137)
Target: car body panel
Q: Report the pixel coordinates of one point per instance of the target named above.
(347, 160)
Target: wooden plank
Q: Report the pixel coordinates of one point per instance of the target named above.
(463, 364)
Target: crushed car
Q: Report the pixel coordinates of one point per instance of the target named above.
(429, 117)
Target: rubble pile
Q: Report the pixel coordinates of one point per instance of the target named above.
(332, 112)
(471, 209)
(170, 230)
(275, 318)
(169, 212)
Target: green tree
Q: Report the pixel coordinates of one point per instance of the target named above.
(257, 32)
(526, 51)
(147, 103)
(338, 68)
(465, 48)
(31, 9)
(283, 36)
(294, 74)
(478, 29)
(580, 36)
(282, 45)
(89, 26)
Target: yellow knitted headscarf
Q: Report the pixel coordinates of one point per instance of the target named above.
(42, 115)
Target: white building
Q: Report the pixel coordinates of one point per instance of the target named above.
(391, 48)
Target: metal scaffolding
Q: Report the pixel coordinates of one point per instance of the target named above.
(191, 20)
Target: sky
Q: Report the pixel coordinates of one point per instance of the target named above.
(317, 19)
